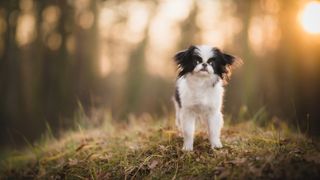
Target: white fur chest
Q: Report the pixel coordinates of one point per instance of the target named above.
(200, 94)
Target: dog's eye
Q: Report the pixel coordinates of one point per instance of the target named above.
(210, 61)
(198, 60)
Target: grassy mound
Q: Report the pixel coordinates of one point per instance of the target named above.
(144, 149)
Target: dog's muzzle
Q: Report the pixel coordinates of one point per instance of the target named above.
(204, 67)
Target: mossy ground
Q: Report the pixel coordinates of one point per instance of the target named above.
(146, 149)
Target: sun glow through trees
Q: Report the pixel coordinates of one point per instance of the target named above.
(309, 17)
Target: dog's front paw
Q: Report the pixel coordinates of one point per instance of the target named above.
(187, 147)
(216, 144)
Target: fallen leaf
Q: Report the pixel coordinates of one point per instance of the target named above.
(153, 164)
(73, 162)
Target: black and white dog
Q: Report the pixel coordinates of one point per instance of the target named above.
(199, 91)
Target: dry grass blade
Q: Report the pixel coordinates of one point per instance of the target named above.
(156, 153)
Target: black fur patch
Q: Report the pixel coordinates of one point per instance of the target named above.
(222, 63)
(177, 97)
(186, 60)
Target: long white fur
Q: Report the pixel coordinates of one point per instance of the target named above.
(201, 95)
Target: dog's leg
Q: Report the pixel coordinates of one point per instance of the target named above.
(215, 123)
(179, 124)
(188, 127)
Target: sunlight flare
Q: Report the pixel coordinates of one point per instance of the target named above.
(309, 17)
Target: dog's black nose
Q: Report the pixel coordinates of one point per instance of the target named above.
(204, 65)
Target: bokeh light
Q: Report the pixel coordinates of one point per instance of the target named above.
(26, 29)
(309, 17)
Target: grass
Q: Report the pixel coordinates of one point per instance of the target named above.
(145, 148)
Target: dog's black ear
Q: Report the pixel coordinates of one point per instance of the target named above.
(182, 57)
(178, 58)
(227, 59)
(225, 62)
(184, 60)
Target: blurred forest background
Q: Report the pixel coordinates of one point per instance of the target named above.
(116, 55)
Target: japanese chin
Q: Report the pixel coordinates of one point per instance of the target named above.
(203, 71)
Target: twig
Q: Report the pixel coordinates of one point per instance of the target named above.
(175, 173)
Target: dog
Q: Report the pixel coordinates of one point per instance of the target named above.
(202, 73)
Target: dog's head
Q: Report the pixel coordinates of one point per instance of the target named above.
(205, 61)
